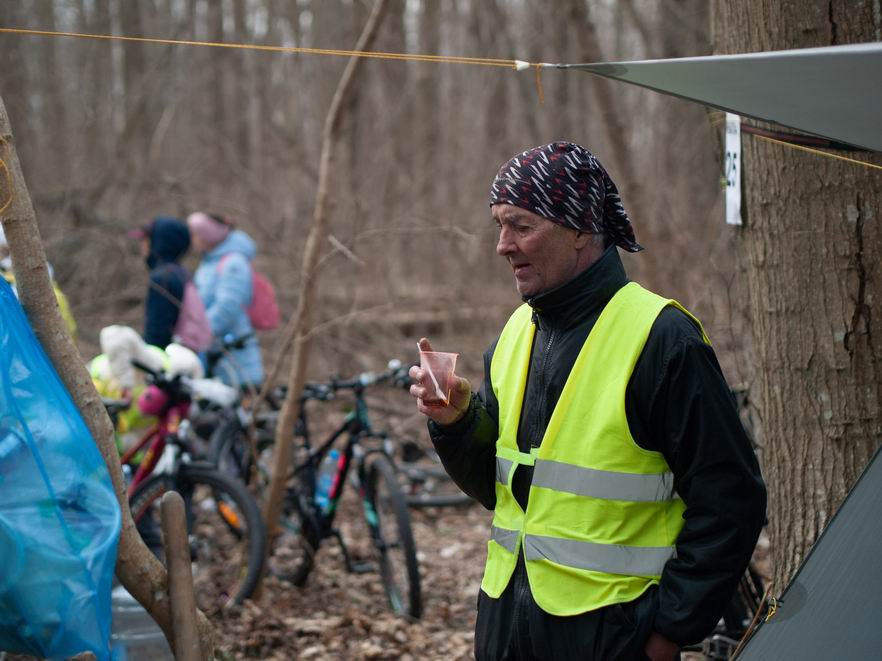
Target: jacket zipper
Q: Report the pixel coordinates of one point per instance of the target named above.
(536, 438)
(522, 597)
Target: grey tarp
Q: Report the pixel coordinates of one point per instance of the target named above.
(834, 92)
(832, 608)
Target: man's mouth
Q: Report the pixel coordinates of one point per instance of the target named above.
(519, 268)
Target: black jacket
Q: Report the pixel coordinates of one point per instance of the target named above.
(169, 240)
(677, 403)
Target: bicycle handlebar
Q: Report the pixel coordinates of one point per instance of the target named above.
(176, 384)
(397, 374)
(144, 368)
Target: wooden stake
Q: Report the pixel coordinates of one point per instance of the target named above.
(180, 578)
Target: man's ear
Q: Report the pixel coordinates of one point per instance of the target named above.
(582, 239)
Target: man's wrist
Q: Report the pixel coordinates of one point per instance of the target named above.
(458, 426)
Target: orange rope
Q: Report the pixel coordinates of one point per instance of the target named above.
(818, 151)
(539, 84)
(448, 59)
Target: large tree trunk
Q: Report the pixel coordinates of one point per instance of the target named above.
(812, 245)
(137, 568)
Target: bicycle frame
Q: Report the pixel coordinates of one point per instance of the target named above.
(358, 426)
(154, 439)
(173, 411)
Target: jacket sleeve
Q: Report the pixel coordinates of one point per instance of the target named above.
(467, 448)
(232, 294)
(695, 424)
(162, 307)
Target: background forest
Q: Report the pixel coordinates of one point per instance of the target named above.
(112, 133)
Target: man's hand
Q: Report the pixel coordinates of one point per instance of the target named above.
(460, 394)
(659, 648)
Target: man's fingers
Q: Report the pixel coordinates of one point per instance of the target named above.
(425, 345)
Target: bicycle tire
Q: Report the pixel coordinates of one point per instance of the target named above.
(430, 486)
(230, 451)
(385, 507)
(229, 559)
(298, 538)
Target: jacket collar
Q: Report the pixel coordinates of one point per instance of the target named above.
(584, 295)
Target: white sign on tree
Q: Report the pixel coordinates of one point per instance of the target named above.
(732, 171)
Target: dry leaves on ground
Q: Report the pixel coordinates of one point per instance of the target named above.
(340, 615)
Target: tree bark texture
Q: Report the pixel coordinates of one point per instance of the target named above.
(812, 246)
(137, 568)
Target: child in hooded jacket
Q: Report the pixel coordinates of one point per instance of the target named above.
(224, 280)
(164, 241)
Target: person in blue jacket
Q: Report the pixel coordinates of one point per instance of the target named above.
(224, 281)
(164, 241)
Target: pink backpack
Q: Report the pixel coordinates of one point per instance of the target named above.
(192, 328)
(263, 310)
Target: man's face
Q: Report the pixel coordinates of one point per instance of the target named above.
(542, 254)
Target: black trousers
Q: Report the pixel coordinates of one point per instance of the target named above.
(514, 627)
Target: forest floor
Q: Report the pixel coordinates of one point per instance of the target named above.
(339, 615)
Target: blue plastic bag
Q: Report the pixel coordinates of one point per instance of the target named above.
(59, 517)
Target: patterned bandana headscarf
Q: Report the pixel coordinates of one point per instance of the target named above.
(566, 184)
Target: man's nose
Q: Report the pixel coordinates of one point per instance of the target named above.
(505, 245)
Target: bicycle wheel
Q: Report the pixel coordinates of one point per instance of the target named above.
(229, 450)
(423, 479)
(427, 484)
(389, 521)
(226, 532)
(297, 539)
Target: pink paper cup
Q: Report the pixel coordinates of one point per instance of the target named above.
(440, 365)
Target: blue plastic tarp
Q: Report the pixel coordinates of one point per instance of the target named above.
(59, 516)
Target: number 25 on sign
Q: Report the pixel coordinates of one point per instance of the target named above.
(732, 173)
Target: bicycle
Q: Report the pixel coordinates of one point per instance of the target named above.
(307, 525)
(227, 534)
(425, 481)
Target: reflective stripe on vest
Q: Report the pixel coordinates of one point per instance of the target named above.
(503, 468)
(606, 558)
(507, 458)
(507, 539)
(602, 515)
(603, 484)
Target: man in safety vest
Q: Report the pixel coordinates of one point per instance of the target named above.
(627, 498)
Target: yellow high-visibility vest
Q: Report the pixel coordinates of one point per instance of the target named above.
(602, 517)
(63, 305)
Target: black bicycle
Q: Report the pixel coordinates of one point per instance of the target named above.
(308, 516)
